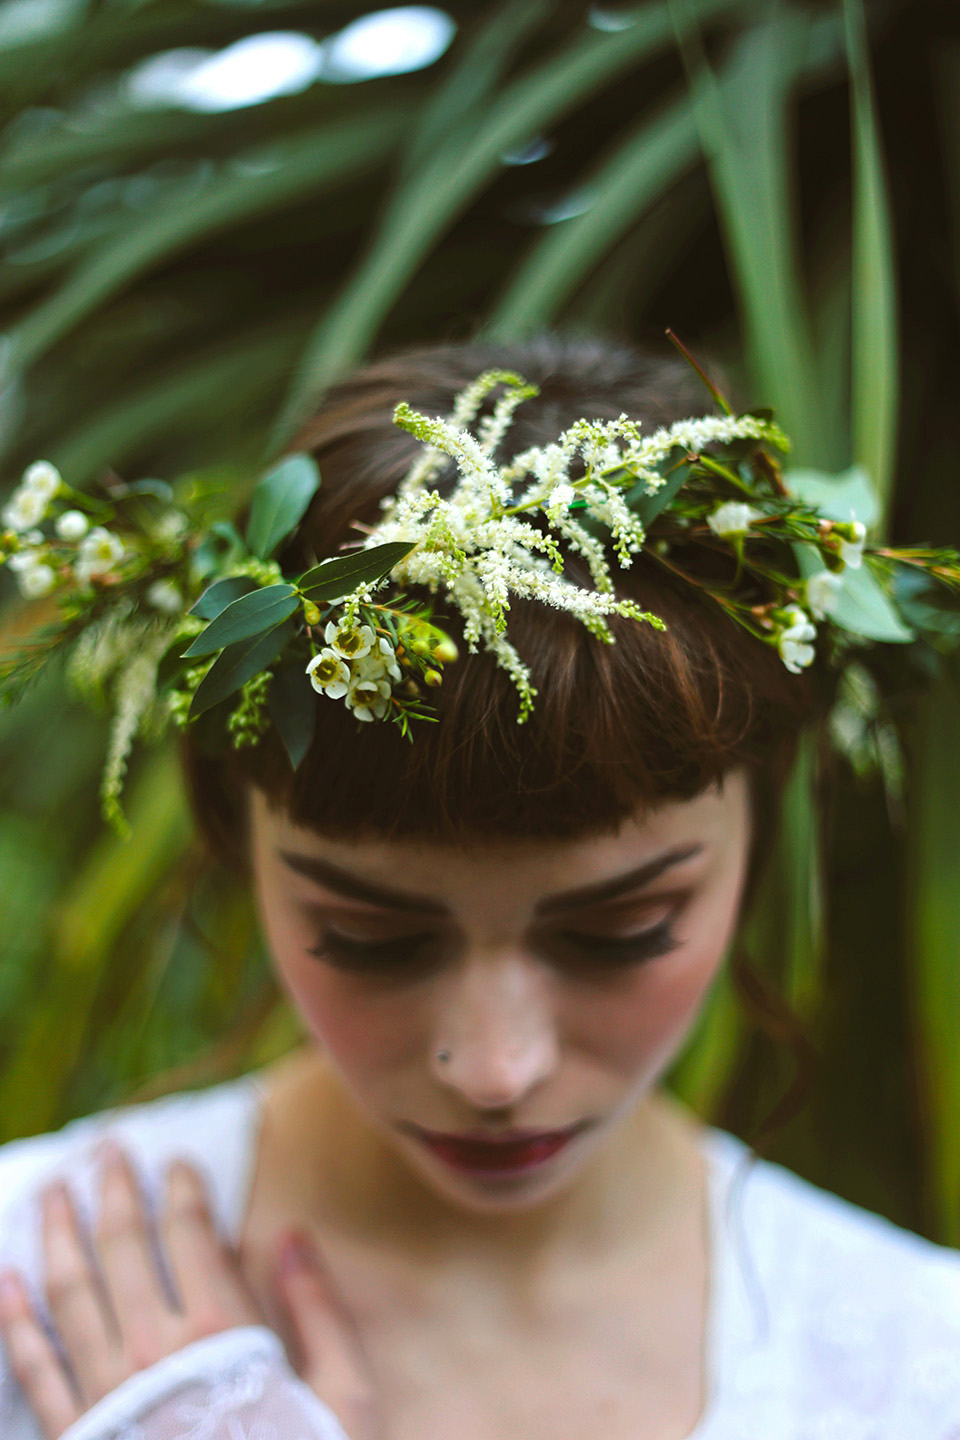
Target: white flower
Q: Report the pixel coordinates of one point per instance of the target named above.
(561, 497)
(36, 580)
(329, 675)
(170, 526)
(72, 525)
(353, 642)
(23, 510)
(368, 699)
(379, 663)
(43, 479)
(851, 537)
(732, 518)
(99, 552)
(165, 596)
(822, 590)
(793, 640)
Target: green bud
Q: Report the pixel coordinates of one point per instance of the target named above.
(433, 678)
(311, 612)
(444, 651)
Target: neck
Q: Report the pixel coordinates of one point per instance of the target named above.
(646, 1172)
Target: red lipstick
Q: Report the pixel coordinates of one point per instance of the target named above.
(516, 1153)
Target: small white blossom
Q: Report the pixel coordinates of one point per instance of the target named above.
(822, 590)
(353, 642)
(171, 526)
(732, 518)
(23, 510)
(380, 663)
(165, 596)
(72, 525)
(329, 674)
(42, 479)
(99, 552)
(368, 699)
(793, 640)
(36, 580)
(561, 497)
(851, 544)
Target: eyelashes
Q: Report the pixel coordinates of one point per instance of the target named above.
(408, 956)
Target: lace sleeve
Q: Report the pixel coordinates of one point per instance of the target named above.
(233, 1386)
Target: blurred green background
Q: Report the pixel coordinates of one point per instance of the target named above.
(210, 208)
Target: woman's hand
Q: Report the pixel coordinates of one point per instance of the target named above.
(116, 1316)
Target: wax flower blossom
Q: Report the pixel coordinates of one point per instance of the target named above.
(732, 518)
(794, 639)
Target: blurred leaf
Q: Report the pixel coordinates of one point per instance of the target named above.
(862, 606)
(427, 203)
(628, 185)
(933, 974)
(268, 179)
(244, 619)
(874, 299)
(744, 127)
(220, 594)
(836, 496)
(279, 503)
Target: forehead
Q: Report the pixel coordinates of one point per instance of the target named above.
(495, 872)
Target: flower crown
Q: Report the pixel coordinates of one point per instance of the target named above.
(171, 617)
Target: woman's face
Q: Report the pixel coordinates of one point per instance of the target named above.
(496, 1010)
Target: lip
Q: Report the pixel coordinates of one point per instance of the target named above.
(507, 1156)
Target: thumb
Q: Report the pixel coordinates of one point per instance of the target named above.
(331, 1359)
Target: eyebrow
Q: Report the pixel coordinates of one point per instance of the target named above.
(352, 887)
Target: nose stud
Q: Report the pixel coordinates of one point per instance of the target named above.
(443, 1057)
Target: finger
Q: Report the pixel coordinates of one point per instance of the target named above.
(332, 1359)
(144, 1315)
(33, 1359)
(212, 1292)
(80, 1310)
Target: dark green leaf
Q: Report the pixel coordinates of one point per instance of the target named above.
(238, 664)
(245, 618)
(292, 706)
(280, 502)
(220, 594)
(648, 507)
(335, 578)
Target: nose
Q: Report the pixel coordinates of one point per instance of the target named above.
(496, 1035)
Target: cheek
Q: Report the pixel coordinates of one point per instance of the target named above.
(645, 1021)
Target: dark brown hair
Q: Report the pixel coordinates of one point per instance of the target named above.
(654, 716)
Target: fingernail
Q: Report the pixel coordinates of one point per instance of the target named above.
(111, 1152)
(297, 1254)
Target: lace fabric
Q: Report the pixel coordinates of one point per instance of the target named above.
(233, 1386)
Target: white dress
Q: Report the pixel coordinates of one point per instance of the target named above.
(825, 1322)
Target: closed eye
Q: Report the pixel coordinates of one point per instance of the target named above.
(377, 957)
(584, 949)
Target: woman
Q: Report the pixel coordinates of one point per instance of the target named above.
(496, 938)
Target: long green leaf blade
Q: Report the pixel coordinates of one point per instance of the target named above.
(874, 292)
(244, 618)
(279, 503)
(238, 664)
(333, 579)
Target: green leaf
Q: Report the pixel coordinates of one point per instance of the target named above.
(220, 594)
(238, 664)
(836, 495)
(874, 291)
(648, 507)
(246, 618)
(863, 607)
(292, 706)
(280, 502)
(335, 578)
